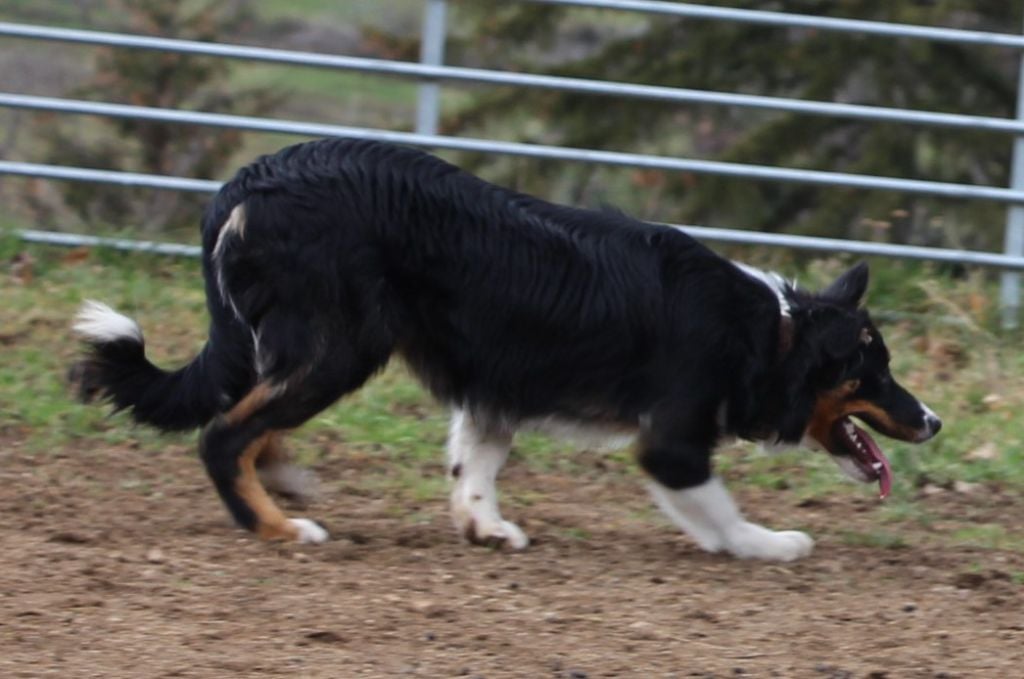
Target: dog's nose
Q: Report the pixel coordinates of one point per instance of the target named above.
(933, 423)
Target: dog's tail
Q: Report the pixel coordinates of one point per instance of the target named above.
(115, 369)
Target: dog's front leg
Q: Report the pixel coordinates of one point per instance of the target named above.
(678, 460)
(477, 450)
(708, 514)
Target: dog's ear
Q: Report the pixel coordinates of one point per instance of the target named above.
(848, 290)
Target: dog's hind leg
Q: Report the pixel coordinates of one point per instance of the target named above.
(230, 447)
(232, 443)
(279, 474)
(477, 450)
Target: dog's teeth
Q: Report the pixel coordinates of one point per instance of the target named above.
(877, 466)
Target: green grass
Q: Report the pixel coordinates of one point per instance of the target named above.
(395, 429)
(989, 536)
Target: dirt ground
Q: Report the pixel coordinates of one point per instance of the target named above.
(121, 563)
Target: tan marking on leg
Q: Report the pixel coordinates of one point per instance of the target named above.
(250, 403)
(271, 523)
(273, 453)
(280, 475)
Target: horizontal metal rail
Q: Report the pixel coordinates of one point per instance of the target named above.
(787, 20)
(760, 172)
(732, 236)
(546, 82)
(457, 74)
(74, 240)
(819, 244)
(148, 181)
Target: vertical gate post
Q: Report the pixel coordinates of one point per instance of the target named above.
(432, 53)
(1014, 237)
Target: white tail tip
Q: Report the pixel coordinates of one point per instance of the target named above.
(97, 322)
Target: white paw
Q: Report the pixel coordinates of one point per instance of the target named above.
(493, 533)
(308, 531)
(512, 535)
(750, 541)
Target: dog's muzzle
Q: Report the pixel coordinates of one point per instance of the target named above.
(932, 425)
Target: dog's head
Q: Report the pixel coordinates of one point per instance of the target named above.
(838, 371)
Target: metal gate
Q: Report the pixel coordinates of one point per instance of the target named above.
(431, 71)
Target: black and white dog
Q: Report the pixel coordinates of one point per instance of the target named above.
(325, 259)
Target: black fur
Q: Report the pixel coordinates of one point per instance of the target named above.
(119, 371)
(500, 302)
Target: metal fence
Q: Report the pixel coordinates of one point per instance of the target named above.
(431, 72)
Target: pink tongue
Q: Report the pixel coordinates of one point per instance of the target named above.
(885, 472)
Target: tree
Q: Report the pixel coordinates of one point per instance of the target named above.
(157, 79)
(749, 58)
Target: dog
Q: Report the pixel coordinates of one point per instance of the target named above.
(327, 258)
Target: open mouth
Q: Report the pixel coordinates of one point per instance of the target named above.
(869, 463)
